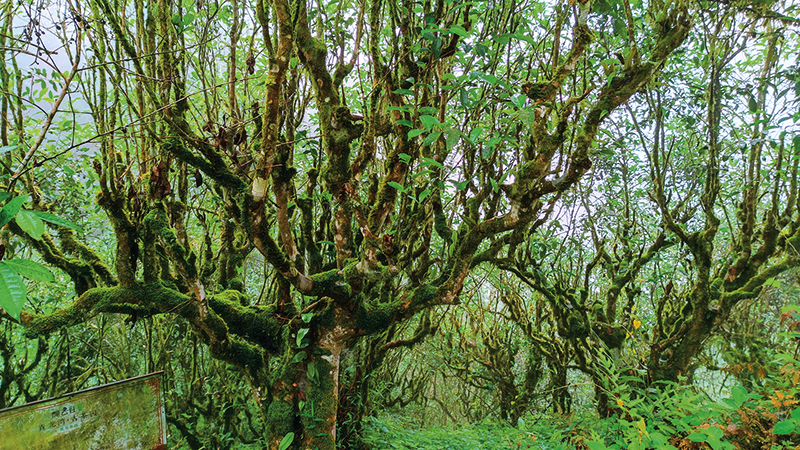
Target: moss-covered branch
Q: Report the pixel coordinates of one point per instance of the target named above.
(258, 328)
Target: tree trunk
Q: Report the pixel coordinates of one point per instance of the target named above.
(305, 395)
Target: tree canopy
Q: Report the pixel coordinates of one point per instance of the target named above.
(298, 188)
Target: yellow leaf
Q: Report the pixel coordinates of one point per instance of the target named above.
(637, 323)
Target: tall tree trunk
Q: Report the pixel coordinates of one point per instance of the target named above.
(305, 393)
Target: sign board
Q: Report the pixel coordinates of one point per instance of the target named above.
(125, 415)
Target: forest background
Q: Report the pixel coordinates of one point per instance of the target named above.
(541, 224)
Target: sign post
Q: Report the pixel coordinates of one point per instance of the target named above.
(124, 415)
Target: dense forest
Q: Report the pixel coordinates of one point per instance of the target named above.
(408, 224)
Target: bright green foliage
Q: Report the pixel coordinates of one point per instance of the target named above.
(12, 290)
(286, 441)
(30, 223)
(13, 293)
(11, 209)
(389, 432)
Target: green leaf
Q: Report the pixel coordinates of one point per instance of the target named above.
(602, 7)
(452, 138)
(714, 443)
(312, 371)
(475, 134)
(697, 437)
(403, 92)
(487, 152)
(7, 148)
(307, 317)
(429, 121)
(405, 157)
(659, 439)
(463, 98)
(30, 223)
(299, 357)
(489, 78)
(424, 194)
(405, 122)
(519, 100)
(459, 30)
(396, 185)
(12, 291)
(739, 394)
(414, 133)
(30, 270)
(752, 105)
(785, 427)
(429, 139)
(321, 351)
(594, 445)
(461, 185)
(286, 441)
(301, 333)
(11, 209)
(430, 162)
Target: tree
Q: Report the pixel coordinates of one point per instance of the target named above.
(372, 182)
(672, 237)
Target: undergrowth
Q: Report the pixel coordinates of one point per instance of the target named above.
(392, 432)
(641, 416)
(666, 416)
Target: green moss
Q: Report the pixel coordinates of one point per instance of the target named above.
(440, 223)
(158, 223)
(424, 295)
(715, 287)
(141, 300)
(257, 324)
(280, 418)
(576, 326)
(331, 281)
(71, 246)
(236, 284)
(320, 394)
(327, 317)
(386, 196)
(351, 272)
(218, 172)
(286, 373)
(372, 316)
(236, 350)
